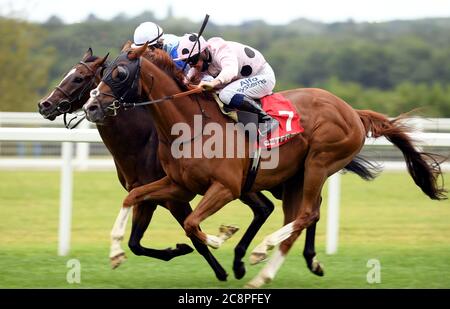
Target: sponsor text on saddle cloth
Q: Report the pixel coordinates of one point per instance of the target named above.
(282, 110)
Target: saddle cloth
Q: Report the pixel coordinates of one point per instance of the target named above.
(277, 107)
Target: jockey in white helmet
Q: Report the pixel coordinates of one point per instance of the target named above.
(154, 34)
(240, 72)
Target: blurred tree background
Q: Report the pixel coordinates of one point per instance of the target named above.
(391, 67)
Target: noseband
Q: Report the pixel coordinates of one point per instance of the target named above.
(111, 109)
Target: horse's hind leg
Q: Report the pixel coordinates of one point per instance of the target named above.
(142, 215)
(309, 252)
(262, 207)
(308, 213)
(291, 194)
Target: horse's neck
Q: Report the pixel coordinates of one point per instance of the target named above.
(128, 132)
(168, 113)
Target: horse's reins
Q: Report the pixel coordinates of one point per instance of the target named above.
(170, 97)
(166, 98)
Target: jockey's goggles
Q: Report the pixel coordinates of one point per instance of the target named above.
(193, 59)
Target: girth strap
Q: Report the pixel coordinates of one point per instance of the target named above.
(252, 170)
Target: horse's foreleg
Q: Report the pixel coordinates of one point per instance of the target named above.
(262, 207)
(160, 190)
(214, 199)
(180, 211)
(142, 215)
(116, 254)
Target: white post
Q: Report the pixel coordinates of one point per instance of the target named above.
(82, 152)
(418, 124)
(65, 206)
(334, 192)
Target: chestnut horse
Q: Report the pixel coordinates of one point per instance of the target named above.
(334, 134)
(137, 164)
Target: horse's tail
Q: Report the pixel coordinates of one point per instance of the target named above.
(363, 168)
(423, 167)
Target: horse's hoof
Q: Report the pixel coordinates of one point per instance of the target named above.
(257, 257)
(257, 282)
(214, 241)
(239, 271)
(183, 249)
(226, 231)
(317, 268)
(222, 276)
(117, 260)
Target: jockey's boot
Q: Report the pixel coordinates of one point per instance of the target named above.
(269, 123)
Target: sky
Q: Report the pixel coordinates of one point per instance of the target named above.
(227, 12)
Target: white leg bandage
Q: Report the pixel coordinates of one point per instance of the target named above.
(280, 235)
(118, 231)
(261, 251)
(269, 271)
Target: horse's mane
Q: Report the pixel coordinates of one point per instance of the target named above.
(163, 61)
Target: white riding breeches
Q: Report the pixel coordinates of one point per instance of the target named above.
(255, 87)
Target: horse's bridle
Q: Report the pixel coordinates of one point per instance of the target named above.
(111, 109)
(120, 99)
(65, 105)
(121, 90)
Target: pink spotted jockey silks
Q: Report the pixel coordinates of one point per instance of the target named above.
(241, 71)
(243, 68)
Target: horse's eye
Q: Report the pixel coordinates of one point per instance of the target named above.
(78, 79)
(122, 73)
(94, 93)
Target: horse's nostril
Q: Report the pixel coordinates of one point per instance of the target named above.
(45, 104)
(92, 108)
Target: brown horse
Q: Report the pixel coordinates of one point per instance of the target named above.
(115, 136)
(132, 141)
(137, 164)
(334, 134)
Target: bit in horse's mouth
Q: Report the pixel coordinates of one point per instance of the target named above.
(99, 121)
(50, 117)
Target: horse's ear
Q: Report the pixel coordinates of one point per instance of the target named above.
(104, 59)
(88, 54)
(126, 46)
(137, 52)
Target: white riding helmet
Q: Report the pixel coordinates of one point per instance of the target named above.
(147, 32)
(187, 43)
